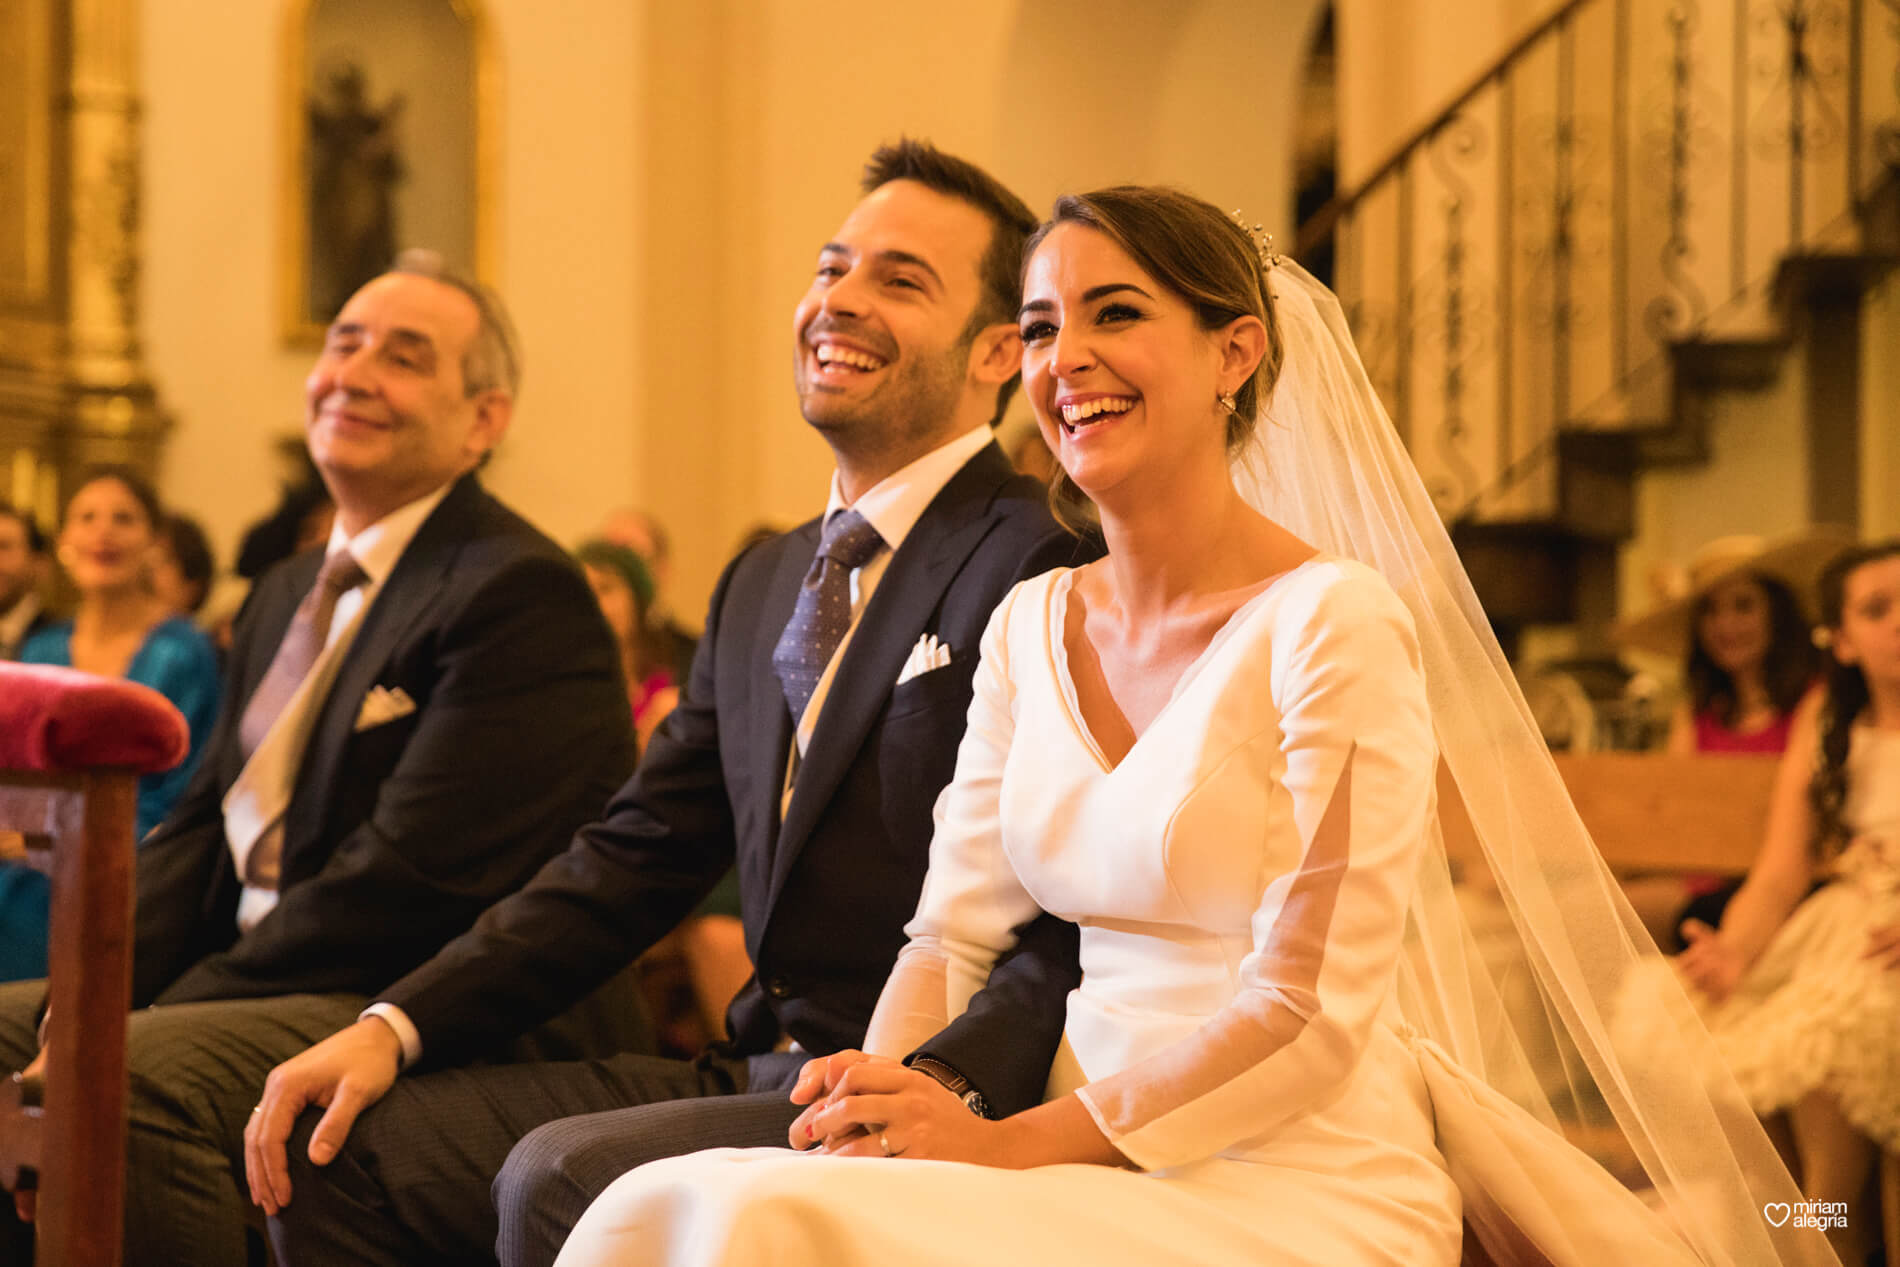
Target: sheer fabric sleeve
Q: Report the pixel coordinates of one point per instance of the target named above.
(1356, 739)
(972, 901)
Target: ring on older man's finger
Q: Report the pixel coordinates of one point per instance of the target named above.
(884, 1143)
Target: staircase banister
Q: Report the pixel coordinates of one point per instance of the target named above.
(1319, 226)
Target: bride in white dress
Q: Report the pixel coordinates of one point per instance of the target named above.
(1216, 751)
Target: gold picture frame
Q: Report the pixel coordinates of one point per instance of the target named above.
(389, 107)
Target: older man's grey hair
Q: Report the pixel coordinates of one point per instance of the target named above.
(493, 360)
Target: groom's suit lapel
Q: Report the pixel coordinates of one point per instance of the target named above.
(899, 611)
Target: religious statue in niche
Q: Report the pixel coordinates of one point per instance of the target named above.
(389, 123)
(356, 168)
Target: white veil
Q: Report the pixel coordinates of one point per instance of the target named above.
(1577, 1021)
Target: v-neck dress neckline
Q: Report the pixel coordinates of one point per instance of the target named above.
(1065, 681)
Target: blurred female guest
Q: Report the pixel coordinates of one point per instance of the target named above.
(710, 945)
(1805, 999)
(121, 628)
(1216, 752)
(624, 589)
(1740, 624)
(1742, 630)
(182, 567)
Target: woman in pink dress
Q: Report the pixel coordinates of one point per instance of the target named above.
(624, 588)
(709, 946)
(1741, 625)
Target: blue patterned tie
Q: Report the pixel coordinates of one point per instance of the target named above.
(823, 613)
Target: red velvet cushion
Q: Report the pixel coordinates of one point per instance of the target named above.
(56, 720)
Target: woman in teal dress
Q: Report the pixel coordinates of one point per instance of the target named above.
(120, 629)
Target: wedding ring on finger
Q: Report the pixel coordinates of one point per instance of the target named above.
(256, 1109)
(883, 1142)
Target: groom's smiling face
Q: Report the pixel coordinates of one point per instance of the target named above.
(882, 336)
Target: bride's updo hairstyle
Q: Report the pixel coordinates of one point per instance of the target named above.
(1207, 259)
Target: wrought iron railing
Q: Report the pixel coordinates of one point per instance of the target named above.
(1626, 180)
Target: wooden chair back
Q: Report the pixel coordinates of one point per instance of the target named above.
(71, 750)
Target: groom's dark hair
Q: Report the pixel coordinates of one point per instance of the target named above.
(1011, 223)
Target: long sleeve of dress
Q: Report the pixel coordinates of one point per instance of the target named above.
(1356, 739)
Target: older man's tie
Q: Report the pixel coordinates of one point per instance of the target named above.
(302, 644)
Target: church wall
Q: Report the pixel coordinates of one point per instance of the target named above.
(209, 303)
(1755, 481)
(1401, 62)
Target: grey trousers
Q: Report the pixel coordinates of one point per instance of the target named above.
(196, 1069)
(413, 1183)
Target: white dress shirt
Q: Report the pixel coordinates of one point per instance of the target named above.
(254, 807)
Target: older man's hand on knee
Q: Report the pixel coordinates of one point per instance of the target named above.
(345, 1074)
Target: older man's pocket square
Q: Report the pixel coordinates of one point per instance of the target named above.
(382, 705)
(928, 654)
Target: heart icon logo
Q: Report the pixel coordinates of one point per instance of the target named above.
(1777, 1212)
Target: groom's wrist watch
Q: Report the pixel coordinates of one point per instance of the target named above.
(955, 1083)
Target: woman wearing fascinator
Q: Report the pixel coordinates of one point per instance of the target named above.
(1220, 751)
(1736, 619)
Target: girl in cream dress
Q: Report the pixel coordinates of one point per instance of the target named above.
(1804, 996)
(1213, 751)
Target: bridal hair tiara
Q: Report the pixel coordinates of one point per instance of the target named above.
(1262, 242)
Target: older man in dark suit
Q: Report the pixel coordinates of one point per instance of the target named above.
(820, 722)
(418, 718)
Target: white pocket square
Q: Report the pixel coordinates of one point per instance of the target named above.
(928, 654)
(383, 704)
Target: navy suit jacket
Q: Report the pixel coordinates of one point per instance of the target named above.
(827, 890)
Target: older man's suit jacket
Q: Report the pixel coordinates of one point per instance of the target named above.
(398, 835)
(827, 890)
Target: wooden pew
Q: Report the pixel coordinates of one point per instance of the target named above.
(1649, 812)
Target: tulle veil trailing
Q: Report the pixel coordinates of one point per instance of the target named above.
(1539, 1008)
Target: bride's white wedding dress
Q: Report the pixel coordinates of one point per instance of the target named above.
(1241, 879)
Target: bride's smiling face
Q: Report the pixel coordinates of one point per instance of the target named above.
(1118, 369)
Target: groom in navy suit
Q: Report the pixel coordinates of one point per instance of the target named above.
(820, 722)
